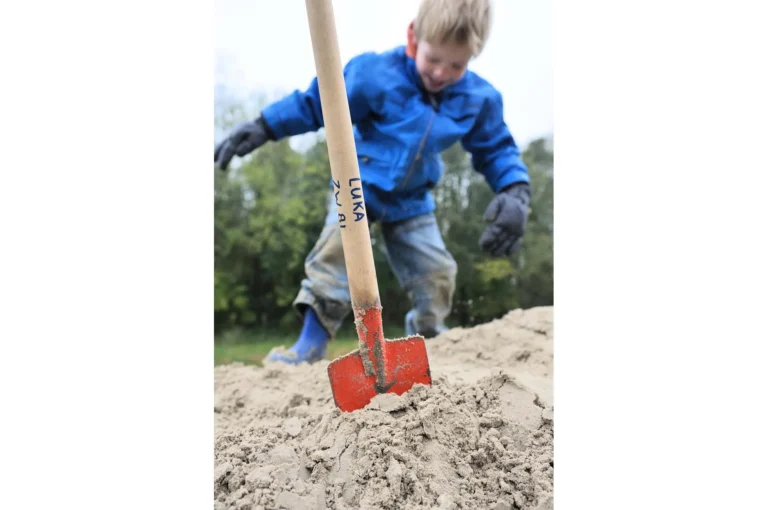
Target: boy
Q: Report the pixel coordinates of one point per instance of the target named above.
(407, 105)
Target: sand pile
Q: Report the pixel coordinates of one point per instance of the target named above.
(480, 437)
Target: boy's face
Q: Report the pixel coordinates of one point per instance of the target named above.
(440, 65)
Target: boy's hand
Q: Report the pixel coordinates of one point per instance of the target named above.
(244, 139)
(507, 215)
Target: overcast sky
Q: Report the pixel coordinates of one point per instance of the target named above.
(265, 45)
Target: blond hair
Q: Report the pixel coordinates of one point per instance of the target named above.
(457, 21)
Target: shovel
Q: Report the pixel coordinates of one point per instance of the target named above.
(379, 365)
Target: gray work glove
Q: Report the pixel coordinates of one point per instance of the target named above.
(507, 214)
(244, 139)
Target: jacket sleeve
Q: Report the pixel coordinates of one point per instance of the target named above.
(301, 112)
(494, 151)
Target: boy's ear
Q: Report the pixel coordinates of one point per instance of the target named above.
(410, 48)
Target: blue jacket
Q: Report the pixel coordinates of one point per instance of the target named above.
(399, 131)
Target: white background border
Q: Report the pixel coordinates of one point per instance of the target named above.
(107, 254)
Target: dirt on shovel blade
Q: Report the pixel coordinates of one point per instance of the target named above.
(479, 438)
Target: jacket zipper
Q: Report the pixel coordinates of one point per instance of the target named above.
(418, 153)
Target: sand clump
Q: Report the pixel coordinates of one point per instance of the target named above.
(480, 437)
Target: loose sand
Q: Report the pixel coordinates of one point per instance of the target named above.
(480, 437)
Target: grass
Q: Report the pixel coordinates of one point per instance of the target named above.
(251, 347)
(253, 353)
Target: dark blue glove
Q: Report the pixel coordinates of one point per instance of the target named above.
(244, 139)
(507, 214)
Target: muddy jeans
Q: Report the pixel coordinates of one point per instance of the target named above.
(418, 257)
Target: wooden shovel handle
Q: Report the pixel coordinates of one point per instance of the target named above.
(353, 218)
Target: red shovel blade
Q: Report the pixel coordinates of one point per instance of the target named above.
(406, 365)
(393, 366)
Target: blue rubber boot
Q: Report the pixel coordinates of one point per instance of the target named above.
(310, 347)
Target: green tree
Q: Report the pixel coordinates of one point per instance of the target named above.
(486, 287)
(268, 215)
